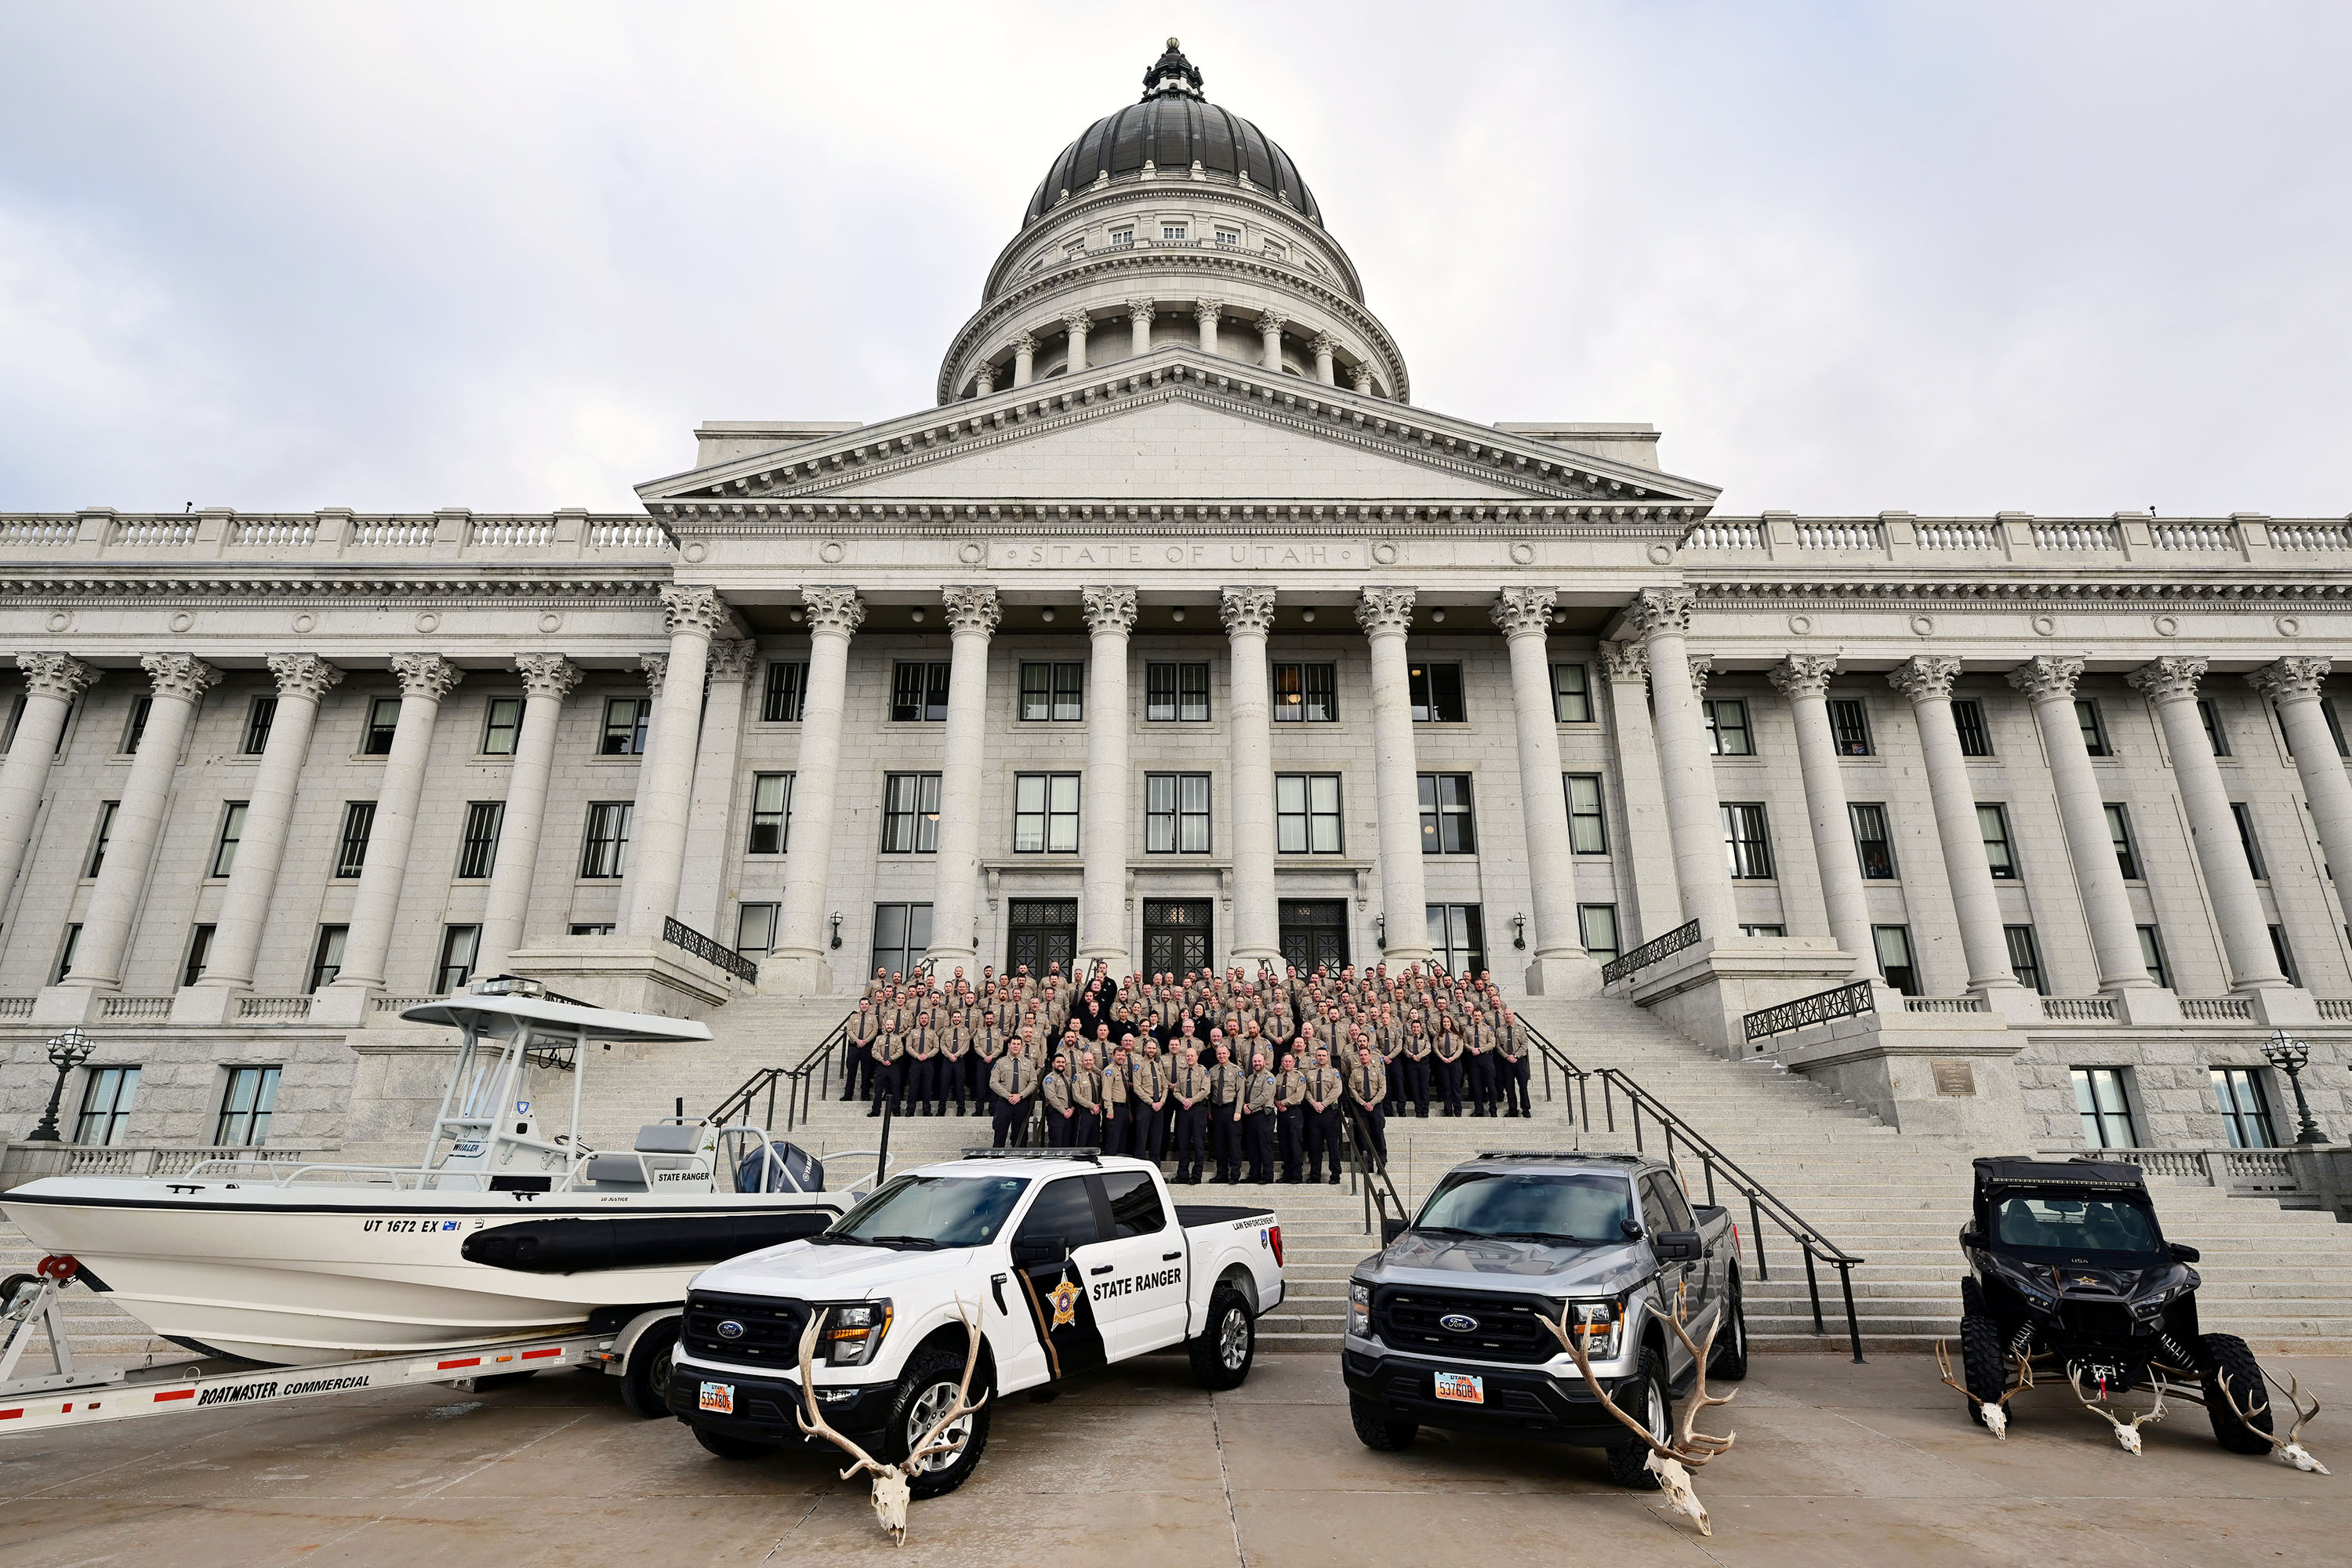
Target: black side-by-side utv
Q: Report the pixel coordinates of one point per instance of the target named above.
(2071, 1281)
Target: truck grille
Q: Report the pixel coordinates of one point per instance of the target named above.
(1507, 1326)
(771, 1329)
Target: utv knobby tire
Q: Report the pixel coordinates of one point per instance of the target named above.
(2226, 1354)
(1629, 1460)
(1376, 1429)
(1984, 1365)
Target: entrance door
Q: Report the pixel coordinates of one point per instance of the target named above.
(1176, 934)
(1043, 931)
(1315, 932)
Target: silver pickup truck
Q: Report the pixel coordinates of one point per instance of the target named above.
(1443, 1325)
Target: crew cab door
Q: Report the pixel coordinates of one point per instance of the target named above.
(1681, 1284)
(1061, 1308)
(1142, 1299)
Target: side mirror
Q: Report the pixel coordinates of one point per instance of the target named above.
(2185, 1253)
(1392, 1229)
(1971, 1236)
(1040, 1251)
(1676, 1246)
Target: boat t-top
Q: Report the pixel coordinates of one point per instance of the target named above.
(499, 1230)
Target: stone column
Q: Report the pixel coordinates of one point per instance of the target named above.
(2048, 682)
(1269, 333)
(1025, 358)
(52, 681)
(1804, 680)
(178, 681)
(1649, 851)
(798, 962)
(1386, 615)
(655, 669)
(547, 680)
(1248, 616)
(973, 614)
(1524, 617)
(1325, 345)
(1138, 325)
(710, 817)
(984, 381)
(425, 680)
(303, 681)
(2293, 685)
(1927, 679)
(1686, 767)
(1207, 311)
(666, 778)
(2170, 685)
(1361, 377)
(1078, 324)
(1102, 832)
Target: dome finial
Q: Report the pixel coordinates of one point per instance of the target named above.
(1172, 76)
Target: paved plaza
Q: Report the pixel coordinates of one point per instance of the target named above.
(1836, 1464)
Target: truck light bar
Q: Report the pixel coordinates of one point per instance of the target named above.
(1561, 1155)
(1091, 1156)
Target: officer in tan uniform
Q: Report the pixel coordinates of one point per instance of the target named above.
(1086, 1093)
(1010, 1089)
(1189, 1090)
(889, 1054)
(1320, 1116)
(1289, 1111)
(1149, 1078)
(1368, 1087)
(1226, 1080)
(1118, 1103)
(857, 1065)
(1255, 1113)
(1054, 1089)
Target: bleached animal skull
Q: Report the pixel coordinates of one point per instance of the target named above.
(890, 1498)
(1996, 1420)
(1675, 1481)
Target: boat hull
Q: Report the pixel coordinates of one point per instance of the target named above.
(299, 1276)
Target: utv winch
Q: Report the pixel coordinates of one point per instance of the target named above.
(2070, 1278)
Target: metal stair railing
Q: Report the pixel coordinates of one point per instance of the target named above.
(1369, 1174)
(811, 1075)
(1761, 1204)
(1574, 1080)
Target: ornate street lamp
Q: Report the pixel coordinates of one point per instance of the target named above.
(1519, 931)
(2290, 1056)
(67, 1052)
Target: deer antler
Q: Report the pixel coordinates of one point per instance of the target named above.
(932, 1442)
(2126, 1432)
(812, 1420)
(2290, 1451)
(1994, 1412)
(891, 1489)
(1670, 1462)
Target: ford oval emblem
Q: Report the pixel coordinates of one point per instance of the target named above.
(730, 1330)
(1452, 1322)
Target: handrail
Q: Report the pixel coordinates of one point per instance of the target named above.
(1379, 1192)
(710, 950)
(1841, 1002)
(1649, 952)
(1761, 1204)
(1573, 1077)
(816, 1067)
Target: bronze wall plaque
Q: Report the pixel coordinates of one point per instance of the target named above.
(1954, 1078)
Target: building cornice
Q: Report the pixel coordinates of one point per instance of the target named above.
(88, 590)
(2023, 591)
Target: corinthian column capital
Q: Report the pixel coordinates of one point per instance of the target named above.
(833, 612)
(546, 675)
(1803, 674)
(1109, 610)
(58, 675)
(2290, 679)
(2047, 677)
(731, 658)
(687, 609)
(1385, 612)
(2168, 679)
(1627, 661)
(304, 675)
(1246, 612)
(1523, 612)
(1925, 677)
(426, 675)
(180, 674)
(972, 608)
(1657, 610)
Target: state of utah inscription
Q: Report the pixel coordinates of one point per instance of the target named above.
(1176, 554)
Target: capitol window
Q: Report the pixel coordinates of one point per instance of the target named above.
(351, 851)
(1120, 238)
(1448, 820)
(502, 723)
(1176, 813)
(1968, 721)
(1571, 694)
(1178, 693)
(1588, 830)
(1306, 693)
(1229, 236)
(786, 693)
(477, 850)
(258, 720)
(1436, 690)
(1053, 692)
(1850, 726)
(919, 692)
(604, 849)
(383, 718)
(1747, 844)
(1992, 823)
(772, 814)
(1872, 841)
(1172, 231)
(2094, 734)
(1307, 814)
(1274, 248)
(627, 720)
(1045, 813)
(1728, 734)
(911, 814)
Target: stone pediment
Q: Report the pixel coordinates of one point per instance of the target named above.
(1175, 424)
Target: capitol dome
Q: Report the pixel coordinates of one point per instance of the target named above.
(1173, 128)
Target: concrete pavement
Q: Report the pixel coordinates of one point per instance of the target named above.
(1835, 1464)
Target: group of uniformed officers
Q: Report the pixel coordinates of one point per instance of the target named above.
(1203, 1068)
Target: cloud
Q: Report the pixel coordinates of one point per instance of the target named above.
(2062, 258)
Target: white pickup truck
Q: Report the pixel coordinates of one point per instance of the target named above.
(1070, 1261)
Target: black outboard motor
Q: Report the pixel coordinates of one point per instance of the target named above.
(780, 1168)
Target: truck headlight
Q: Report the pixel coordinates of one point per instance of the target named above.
(1359, 1309)
(851, 1334)
(1599, 1326)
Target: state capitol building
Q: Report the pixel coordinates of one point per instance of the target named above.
(1174, 633)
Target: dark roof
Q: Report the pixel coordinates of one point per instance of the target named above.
(1173, 128)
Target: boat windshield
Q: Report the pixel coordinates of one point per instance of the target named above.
(1509, 1204)
(2076, 1225)
(953, 1211)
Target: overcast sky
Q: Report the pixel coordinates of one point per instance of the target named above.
(2063, 258)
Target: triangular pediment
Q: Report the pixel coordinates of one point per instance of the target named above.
(1177, 425)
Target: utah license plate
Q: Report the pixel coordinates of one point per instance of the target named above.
(719, 1397)
(1462, 1388)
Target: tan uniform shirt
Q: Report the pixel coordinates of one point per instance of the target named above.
(1323, 1086)
(1012, 1077)
(1368, 1085)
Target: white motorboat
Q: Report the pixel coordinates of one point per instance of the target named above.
(499, 1230)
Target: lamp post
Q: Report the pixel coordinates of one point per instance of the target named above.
(2290, 1056)
(1519, 931)
(67, 1052)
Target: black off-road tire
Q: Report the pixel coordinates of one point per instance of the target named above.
(924, 1376)
(1984, 1365)
(1628, 1461)
(645, 1381)
(727, 1446)
(1376, 1429)
(2227, 1355)
(1729, 1362)
(1225, 1348)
